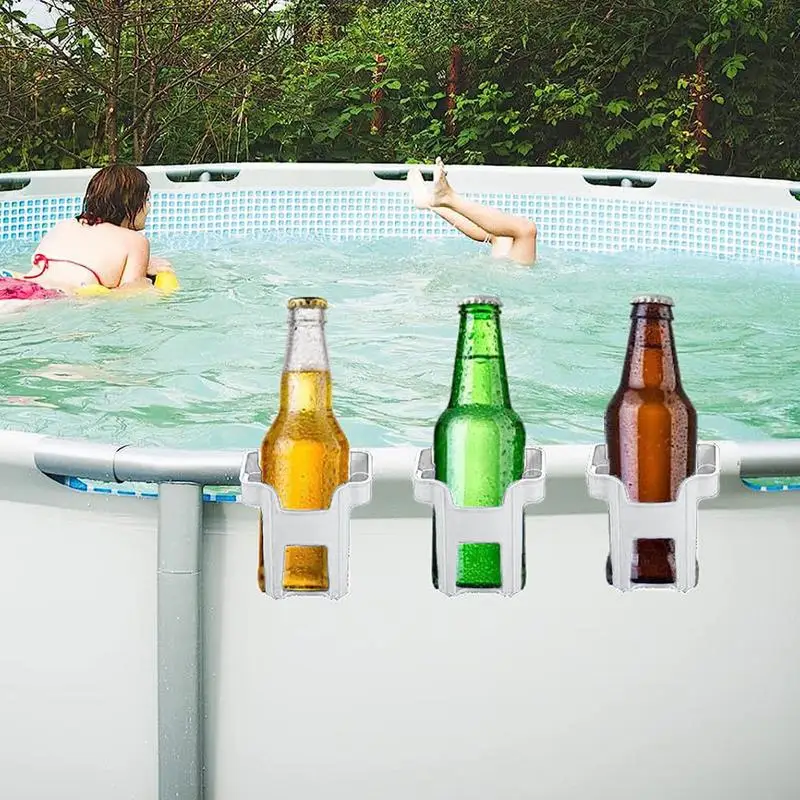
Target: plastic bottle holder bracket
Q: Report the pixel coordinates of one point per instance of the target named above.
(456, 525)
(678, 520)
(329, 528)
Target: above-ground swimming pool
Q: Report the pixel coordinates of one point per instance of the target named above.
(140, 660)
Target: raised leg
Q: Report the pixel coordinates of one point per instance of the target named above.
(480, 223)
(492, 220)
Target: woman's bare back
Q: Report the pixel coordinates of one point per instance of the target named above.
(102, 249)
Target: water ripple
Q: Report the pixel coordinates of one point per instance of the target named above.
(202, 368)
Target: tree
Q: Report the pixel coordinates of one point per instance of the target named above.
(148, 63)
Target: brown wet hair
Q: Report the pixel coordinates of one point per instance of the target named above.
(116, 193)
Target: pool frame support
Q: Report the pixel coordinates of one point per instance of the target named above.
(180, 642)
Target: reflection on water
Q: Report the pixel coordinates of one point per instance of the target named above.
(201, 369)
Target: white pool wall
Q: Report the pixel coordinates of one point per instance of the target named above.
(670, 186)
(567, 689)
(722, 217)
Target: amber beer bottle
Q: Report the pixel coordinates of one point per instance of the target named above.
(479, 440)
(304, 455)
(651, 429)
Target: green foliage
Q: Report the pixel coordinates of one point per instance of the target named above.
(683, 86)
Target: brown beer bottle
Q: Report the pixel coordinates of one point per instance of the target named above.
(305, 454)
(651, 429)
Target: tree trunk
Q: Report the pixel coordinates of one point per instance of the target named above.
(146, 128)
(700, 95)
(453, 82)
(112, 97)
(137, 46)
(379, 113)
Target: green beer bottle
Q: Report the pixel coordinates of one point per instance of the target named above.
(479, 440)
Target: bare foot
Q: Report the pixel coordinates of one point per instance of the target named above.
(419, 191)
(442, 191)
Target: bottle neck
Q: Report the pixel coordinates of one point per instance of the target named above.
(306, 348)
(651, 361)
(479, 376)
(306, 380)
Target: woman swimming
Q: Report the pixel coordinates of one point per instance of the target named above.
(510, 237)
(102, 247)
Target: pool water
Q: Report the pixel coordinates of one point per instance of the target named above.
(202, 369)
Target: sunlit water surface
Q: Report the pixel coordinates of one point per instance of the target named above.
(202, 369)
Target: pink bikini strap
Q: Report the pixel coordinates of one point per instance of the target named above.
(41, 260)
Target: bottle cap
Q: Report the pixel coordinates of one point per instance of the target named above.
(307, 302)
(481, 299)
(659, 299)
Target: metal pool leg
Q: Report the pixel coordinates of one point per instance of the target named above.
(180, 642)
